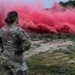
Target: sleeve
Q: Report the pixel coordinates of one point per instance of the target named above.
(24, 39)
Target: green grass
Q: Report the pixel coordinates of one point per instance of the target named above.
(61, 35)
(54, 63)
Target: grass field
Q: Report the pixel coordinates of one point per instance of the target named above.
(54, 63)
(57, 62)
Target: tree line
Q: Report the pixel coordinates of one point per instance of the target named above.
(68, 3)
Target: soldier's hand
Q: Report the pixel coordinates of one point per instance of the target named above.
(19, 52)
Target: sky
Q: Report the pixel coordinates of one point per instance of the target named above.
(47, 3)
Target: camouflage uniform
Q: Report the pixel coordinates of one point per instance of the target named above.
(13, 42)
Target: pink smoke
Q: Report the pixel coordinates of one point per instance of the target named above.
(34, 17)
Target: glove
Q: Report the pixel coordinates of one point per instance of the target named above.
(19, 51)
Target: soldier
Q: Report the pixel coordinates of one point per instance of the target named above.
(13, 42)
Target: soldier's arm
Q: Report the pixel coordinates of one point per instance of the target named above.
(25, 40)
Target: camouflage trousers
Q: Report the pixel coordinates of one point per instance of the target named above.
(9, 67)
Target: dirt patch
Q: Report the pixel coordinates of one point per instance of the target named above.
(47, 45)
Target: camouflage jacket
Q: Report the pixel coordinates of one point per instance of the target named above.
(13, 39)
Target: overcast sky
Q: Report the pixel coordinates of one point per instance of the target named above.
(48, 3)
